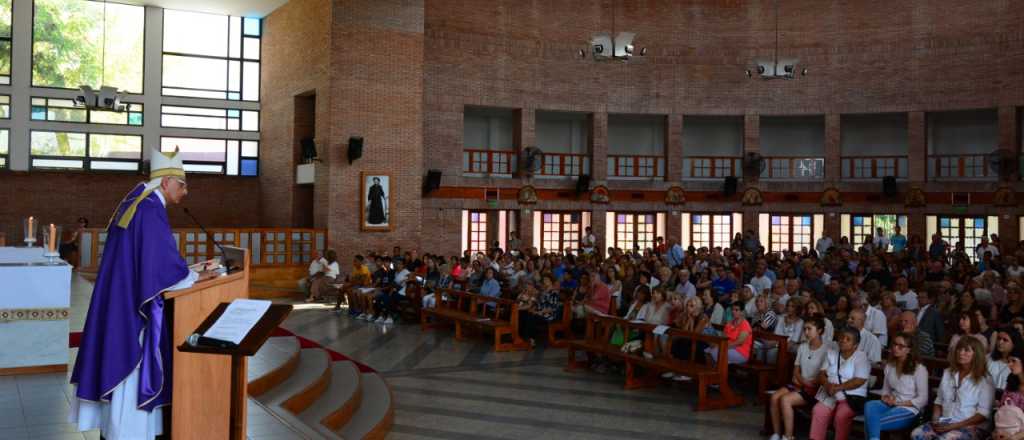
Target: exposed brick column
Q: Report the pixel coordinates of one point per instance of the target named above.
(598, 143)
(833, 225)
(525, 132)
(751, 143)
(1008, 129)
(833, 150)
(673, 225)
(674, 147)
(526, 226)
(917, 148)
(1009, 225)
(599, 224)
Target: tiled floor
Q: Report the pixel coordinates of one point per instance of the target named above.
(443, 389)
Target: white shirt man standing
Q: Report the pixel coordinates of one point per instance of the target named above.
(823, 245)
(905, 298)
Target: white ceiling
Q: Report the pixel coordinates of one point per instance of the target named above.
(242, 8)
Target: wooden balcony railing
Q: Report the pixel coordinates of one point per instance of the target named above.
(488, 162)
(268, 247)
(636, 167)
(874, 167)
(704, 167)
(794, 168)
(959, 166)
(564, 164)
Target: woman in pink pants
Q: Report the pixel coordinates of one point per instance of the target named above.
(842, 397)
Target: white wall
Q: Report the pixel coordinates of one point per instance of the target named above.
(21, 91)
(712, 135)
(963, 132)
(486, 129)
(636, 134)
(562, 132)
(793, 136)
(882, 134)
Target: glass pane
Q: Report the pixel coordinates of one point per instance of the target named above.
(252, 48)
(5, 18)
(251, 81)
(112, 146)
(69, 49)
(196, 150)
(235, 37)
(250, 148)
(57, 163)
(193, 122)
(205, 168)
(5, 59)
(250, 121)
(113, 166)
(232, 158)
(49, 143)
(4, 140)
(102, 117)
(250, 167)
(195, 33)
(252, 27)
(195, 73)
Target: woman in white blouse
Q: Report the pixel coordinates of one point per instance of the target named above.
(807, 377)
(964, 403)
(1006, 341)
(904, 391)
(842, 397)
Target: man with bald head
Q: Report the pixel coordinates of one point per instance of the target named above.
(923, 340)
(868, 341)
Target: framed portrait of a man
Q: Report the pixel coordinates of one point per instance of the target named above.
(375, 202)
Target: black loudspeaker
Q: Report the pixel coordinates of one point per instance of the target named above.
(583, 184)
(730, 186)
(355, 148)
(889, 186)
(308, 149)
(432, 182)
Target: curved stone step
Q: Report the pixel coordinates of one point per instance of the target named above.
(338, 403)
(306, 384)
(273, 364)
(373, 418)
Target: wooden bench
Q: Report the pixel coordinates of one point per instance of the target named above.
(560, 331)
(597, 342)
(772, 374)
(464, 309)
(409, 306)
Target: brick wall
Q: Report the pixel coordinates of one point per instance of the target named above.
(61, 197)
(295, 61)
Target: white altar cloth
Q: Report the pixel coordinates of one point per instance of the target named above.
(29, 283)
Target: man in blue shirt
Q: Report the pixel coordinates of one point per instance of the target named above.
(898, 241)
(675, 253)
(724, 282)
(490, 286)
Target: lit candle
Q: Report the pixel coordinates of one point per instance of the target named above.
(31, 232)
(52, 245)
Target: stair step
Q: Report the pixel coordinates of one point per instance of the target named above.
(338, 403)
(314, 366)
(373, 418)
(273, 364)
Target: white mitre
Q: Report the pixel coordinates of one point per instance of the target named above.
(164, 163)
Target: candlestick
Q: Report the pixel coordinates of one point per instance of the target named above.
(31, 228)
(52, 242)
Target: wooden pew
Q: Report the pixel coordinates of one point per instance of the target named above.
(597, 342)
(772, 374)
(465, 309)
(560, 330)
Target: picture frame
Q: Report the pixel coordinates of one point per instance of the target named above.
(375, 202)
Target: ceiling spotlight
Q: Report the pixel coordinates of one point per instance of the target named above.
(643, 51)
(582, 53)
(748, 73)
(803, 72)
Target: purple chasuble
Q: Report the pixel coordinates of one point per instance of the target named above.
(138, 263)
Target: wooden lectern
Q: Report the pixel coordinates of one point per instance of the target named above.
(201, 398)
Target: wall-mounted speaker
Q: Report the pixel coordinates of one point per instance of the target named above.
(432, 181)
(729, 188)
(889, 187)
(355, 148)
(583, 184)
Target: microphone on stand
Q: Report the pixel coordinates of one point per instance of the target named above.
(227, 263)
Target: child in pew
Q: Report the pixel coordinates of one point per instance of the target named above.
(807, 377)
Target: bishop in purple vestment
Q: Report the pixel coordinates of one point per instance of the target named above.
(123, 369)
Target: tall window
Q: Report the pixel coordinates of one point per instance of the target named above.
(561, 231)
(218, 156)
(477, 231)
(5, 42)
(711, 230)
(790, 232)
(79, 42)
(211, 56)
(635, 231)
(5, 135)
(968, 230)
(89, 151)
(209, 118)
(857, 226)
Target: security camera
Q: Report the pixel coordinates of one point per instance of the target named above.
(599, 49)
(629, 49)
(760, 70)
(86, 97)
(788, 68)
